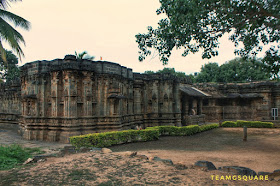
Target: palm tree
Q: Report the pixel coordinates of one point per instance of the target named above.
(7, 32)
(84, 55)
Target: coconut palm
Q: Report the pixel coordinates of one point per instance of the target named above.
(84, 55)
(7, 32)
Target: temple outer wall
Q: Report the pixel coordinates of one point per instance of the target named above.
(10, 104)
(242, 101)
(63, 98)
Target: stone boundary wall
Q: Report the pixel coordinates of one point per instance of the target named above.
(10, 104)
(247, 101)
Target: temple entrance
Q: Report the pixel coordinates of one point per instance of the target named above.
(191, 105)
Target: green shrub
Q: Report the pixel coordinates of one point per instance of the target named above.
(108, 139)
(254, 124)
(208, 127)
(178, 131)
(12, 155)
(229, 124)
(249, 124)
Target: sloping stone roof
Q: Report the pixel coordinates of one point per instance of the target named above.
(191, 91)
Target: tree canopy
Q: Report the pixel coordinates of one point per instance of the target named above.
(9, 70)
(7, 32)
(236, 70)
(192, 25)
(167, 70)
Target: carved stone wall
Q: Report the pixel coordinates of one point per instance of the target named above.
(248, 101)
(10, 104)
(62, 98)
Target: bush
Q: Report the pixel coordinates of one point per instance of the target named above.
(229, 124)
(11, 156)
(178, 131)
(254, 124)
(108, 139)
(208, 127)
(249, 124)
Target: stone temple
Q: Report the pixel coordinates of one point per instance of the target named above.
(56, 99)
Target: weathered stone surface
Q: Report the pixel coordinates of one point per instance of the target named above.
(130, 153)
(29, 160)
(240, 101)
(166, 161)
(95, 149)
(205, 164)
(180, 166)
(142, 157)
(277, 170)
(263, 173)
(238, 170)
(274, 176)
(106, 150)
(68, 150)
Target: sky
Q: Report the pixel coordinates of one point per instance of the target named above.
(104, 28)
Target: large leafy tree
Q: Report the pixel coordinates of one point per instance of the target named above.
(7, 32)
(192, 25)
(236, 70)
(9, 70)
(209, 73)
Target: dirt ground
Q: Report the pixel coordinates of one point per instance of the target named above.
(223, 147)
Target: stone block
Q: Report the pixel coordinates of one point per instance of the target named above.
(238, 170)
(205, 164)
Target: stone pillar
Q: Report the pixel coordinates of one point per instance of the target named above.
(177, 98)
(199, 106)
(73, 96)
(66, 93)
(111, 103)
(155, 97)
(99, 109)
(43, 100)
(87, 95)
(130, 99)
(54, 93)
(36, 92)
(137, 100)
(177, 109)
(105, 104)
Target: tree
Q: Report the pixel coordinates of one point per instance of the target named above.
(7, 32)
(84, 55)
(167, 71)
(209, 73)
(198, 24)
(9, 70)
(236, 70)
